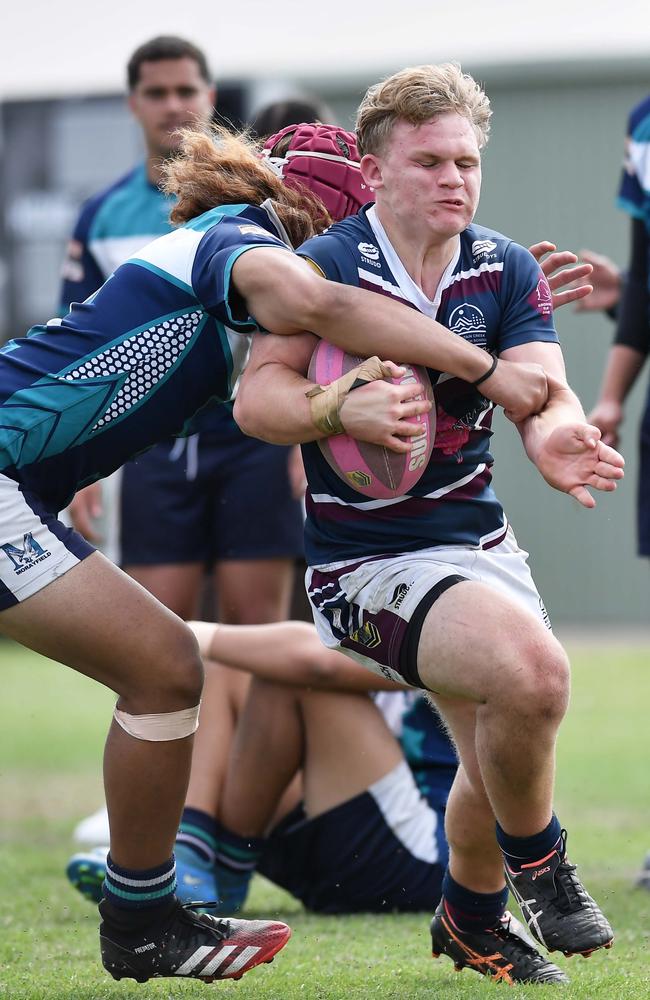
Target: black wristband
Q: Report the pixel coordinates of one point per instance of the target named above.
(489, 372)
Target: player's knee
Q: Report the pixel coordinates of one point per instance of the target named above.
(542, 685)
(173, 677)
(184, 670)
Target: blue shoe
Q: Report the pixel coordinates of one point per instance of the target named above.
(194, 880)
(86, 871)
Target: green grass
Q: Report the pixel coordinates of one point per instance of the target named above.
(52, 725)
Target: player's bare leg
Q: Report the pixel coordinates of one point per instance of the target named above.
(340, 741)
(475, 860)
(176, 585)
(479, 646)
(322, 747)
(98, 621)
(254, 591)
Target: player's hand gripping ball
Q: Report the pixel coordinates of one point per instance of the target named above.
(371, 469)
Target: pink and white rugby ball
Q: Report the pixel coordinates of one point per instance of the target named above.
(371, 469)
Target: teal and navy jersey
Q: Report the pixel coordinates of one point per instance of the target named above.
(494, 294)
(634, 189)
(428, 750)
(112, 226)
(163, 337)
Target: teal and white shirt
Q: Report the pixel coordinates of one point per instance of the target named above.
(130, 366)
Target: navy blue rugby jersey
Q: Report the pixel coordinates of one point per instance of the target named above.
(634, 189)
(112, 226)
(494, 294)
(166, 335)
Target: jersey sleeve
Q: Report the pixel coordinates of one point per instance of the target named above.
(526, 301)
(80, 273)
(331, 258)
(634, 187)
(212, 271)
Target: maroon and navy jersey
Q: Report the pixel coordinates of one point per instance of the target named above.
(494, 294)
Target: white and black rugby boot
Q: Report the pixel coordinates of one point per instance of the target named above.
(559, 911)
(503, 953)
(191, 945)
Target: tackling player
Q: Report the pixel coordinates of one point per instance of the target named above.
(431, 588)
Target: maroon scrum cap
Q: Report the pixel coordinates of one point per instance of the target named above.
(323, 158)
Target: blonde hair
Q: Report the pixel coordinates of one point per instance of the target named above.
(214, 167)
(417, 95)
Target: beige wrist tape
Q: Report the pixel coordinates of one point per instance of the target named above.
(325, 401)
(162, 727)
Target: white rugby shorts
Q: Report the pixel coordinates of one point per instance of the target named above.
(373, 610)
(35, 547)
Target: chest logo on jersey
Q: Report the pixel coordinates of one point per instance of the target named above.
(369, 254)
(483, 248)
(468, 322)
(27, 556)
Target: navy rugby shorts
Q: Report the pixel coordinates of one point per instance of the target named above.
(208, 498)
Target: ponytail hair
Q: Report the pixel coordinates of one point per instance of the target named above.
(214, 167)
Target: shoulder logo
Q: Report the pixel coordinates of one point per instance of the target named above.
(251, 229)
(468, 321)
(544, 298)
(483, 248)
(27, 556)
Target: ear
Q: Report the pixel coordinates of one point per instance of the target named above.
(371, 171)
(132, 102)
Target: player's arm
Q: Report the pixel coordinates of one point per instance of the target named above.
(631, 344)
(272, 404)
(81, 275)
(286, 296)
(287, 653)
(565, 448)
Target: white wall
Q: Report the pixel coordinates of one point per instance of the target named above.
(76, 46)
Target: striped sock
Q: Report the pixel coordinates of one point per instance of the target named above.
(197, 837)
(134, 889)
(237, 859)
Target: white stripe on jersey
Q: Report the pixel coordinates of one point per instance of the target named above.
(387, 286)
(493, 535)
(174, 253)
(638, 156)
(475, 271)
(378, 504)
(112, 251)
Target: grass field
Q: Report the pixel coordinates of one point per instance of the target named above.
(52, 725)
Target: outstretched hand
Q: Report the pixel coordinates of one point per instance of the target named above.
(573, 457)
(559, 275)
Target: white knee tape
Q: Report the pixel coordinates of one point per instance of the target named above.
(162, 727)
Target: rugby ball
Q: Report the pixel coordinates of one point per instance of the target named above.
(371, 469)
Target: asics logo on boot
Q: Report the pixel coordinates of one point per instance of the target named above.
(540, 872)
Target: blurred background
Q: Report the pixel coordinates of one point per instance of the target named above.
(562, 78)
